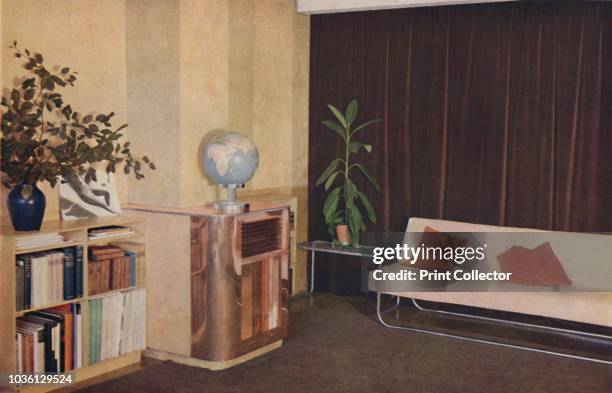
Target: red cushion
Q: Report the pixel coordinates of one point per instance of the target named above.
(434, 238)
(539, 266)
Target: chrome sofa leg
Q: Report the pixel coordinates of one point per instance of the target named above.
(559, 330)
(379, 314)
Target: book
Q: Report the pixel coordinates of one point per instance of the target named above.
(27, 282)
(78, 271)
(109, 232)
(18, 351)
(19, 285)
(28, 352)
(111, 326)
(39, 240)
(91, 331)
(109, 229)
(39, 279)
(78, 342)
(105, 271)
(132, 256)
(91, 274)
(116, 273)
(56, 289)
(69, 290)
(98, 331)
(127, 272)
(22, 365)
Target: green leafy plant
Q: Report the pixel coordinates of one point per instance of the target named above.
(44, 138)
(342, 205)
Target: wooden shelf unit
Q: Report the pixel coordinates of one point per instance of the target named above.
(21, 313)
(30, 250)
(75, 232)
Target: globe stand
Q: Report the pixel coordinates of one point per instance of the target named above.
(230, 205)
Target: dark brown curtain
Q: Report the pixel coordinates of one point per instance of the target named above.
(497, 114)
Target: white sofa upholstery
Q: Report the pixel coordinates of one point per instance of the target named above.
(571, 248)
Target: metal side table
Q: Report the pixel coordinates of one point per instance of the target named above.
(331, 248)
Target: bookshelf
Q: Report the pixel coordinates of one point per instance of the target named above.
(75, 233)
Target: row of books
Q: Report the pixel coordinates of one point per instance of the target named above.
(109, 231)
(115, 266)
(48, 277)
(49, 340)
(116, 324)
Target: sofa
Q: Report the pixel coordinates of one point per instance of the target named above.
(594, 307)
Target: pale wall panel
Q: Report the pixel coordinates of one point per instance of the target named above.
(88, 36)
(204, 89)
(153, 104)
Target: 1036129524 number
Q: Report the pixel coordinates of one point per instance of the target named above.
(40, 379)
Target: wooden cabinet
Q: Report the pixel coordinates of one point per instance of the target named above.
(239, 283)
(219, 284)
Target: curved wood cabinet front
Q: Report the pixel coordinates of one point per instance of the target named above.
(239, 283)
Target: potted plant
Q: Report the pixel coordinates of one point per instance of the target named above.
(43, 138)
(343, 215)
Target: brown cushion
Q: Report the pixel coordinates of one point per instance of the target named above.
(539, 266)
(434, 238)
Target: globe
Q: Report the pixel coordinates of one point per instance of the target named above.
(230, 159)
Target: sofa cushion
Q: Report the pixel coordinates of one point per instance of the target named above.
(539, 266)
(434, 238)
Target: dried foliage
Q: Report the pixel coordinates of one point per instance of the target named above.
(44, 138)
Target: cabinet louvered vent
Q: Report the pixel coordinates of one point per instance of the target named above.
(260, 237)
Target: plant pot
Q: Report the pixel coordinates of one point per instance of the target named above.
(26, 205)
(344, 235)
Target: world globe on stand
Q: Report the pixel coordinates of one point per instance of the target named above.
(230, 159)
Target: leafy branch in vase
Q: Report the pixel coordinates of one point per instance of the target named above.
(44, 138)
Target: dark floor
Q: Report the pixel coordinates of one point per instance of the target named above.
(336, 345)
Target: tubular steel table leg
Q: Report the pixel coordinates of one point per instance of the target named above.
(312, 266)
(379, 314)
(394, 307)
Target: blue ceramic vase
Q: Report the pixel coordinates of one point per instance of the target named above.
(26, 205)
